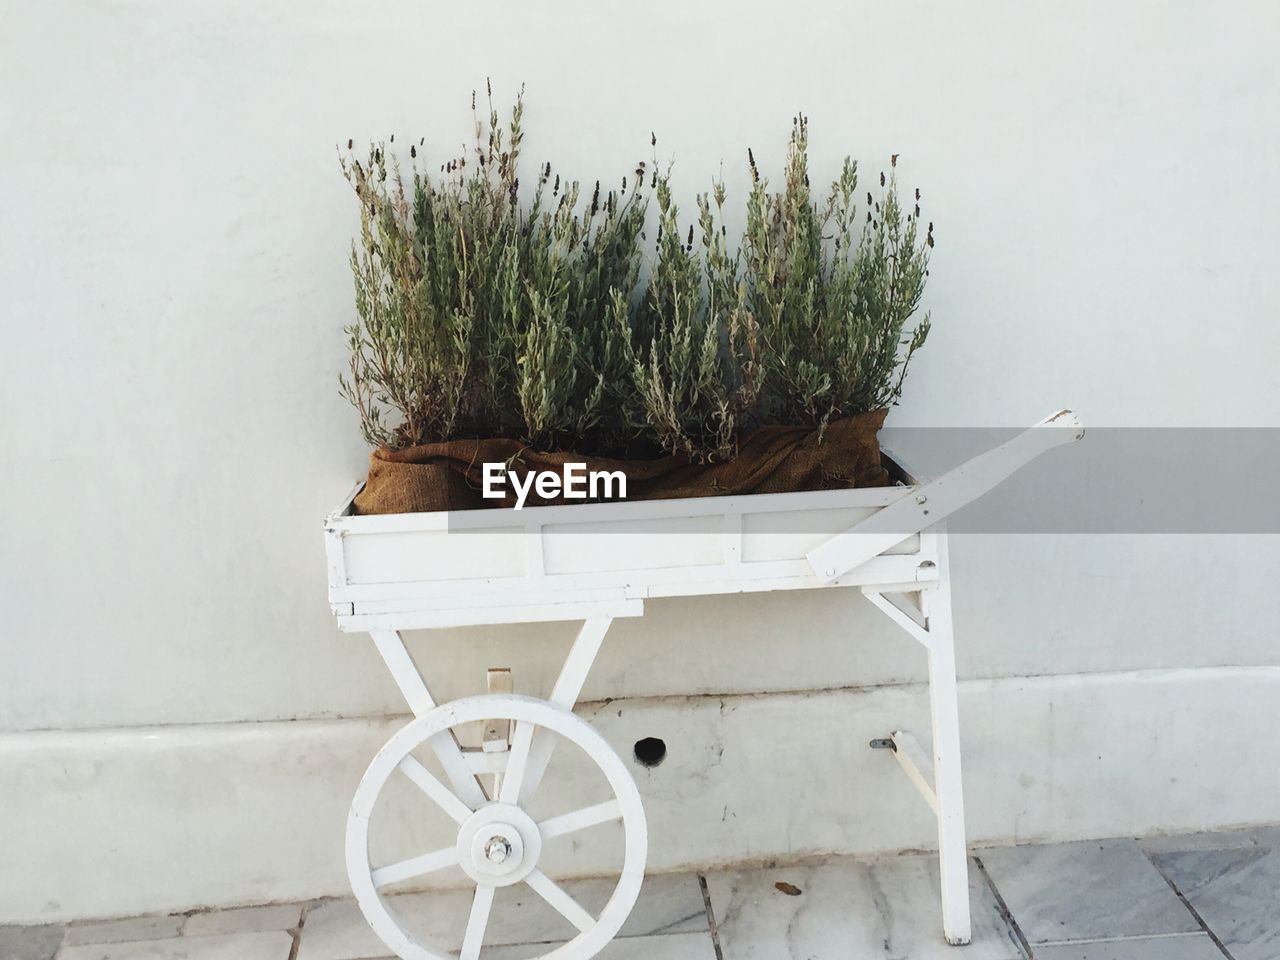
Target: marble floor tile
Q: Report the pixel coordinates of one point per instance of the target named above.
(678, 946)
(243, 920)
(1183, 842)
(131, 929)
(850, 909)
(239, 946)
(1236, 891)
(1180, 946)
(30, 943)
(336, 930)
(1089, 890)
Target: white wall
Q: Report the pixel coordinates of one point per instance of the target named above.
(173, 284)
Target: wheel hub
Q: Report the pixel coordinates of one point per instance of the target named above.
(498, 845)
(498, 849)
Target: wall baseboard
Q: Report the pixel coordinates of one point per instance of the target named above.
(122, 821)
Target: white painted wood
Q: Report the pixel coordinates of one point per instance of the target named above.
(917, 765)
(535, 556)
(909, 604)
(433, 788)
(938, 499)
(798, 576)
(409, 679)
(938, 780)
(532, 517)
(422, 605)
(335, 556)
(437, 555)
(473, 939)
(506, 817)
(564, 694)
(945, 714)
(414, 571)
(733, 538)
(496, 736)
(578, 664)
(592, 550)
(580, 819)
(636, 581)
(790, 535)
(517, 764)
(334, 520)
(415, 867)
(556, 895)
(420, 618)
(902, 617)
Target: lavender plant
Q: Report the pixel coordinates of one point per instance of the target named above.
(832, 302)
(693, 351)
(476, 318)
(571, 363)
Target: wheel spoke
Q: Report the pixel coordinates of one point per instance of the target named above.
(544, 745)
(518, 763)
(580, 819)
(415, 867)
(476, 923)
(555, 895)
(433, 788)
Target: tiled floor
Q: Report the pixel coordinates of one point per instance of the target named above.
(1204, 897)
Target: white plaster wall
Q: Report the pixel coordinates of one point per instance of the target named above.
(172, 287)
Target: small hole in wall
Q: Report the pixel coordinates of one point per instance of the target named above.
(650, 752)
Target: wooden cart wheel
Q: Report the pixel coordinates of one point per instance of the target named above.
(498, 843)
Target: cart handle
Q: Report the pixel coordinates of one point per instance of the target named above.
(925, 505)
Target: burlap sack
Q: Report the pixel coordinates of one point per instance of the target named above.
(449, 476)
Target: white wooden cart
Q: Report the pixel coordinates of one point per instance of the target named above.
(592, 563)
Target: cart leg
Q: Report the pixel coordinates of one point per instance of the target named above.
(564, 695)
(938, 781)
(953, 852)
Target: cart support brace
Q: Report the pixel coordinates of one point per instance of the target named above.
(918, 767)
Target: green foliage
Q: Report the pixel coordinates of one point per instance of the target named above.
(571, 358)
(832, 314)
(477, 317)
(695, 368)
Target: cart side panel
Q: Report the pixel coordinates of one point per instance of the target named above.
(634, 545)
(790, 535)
(434, 555)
